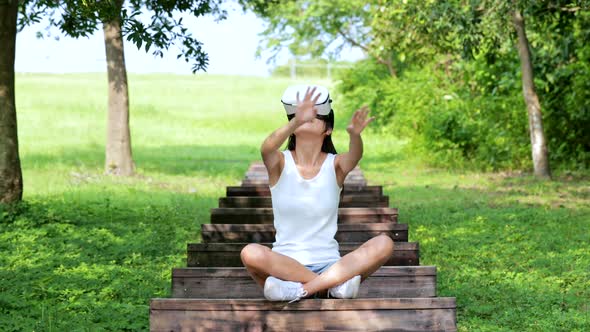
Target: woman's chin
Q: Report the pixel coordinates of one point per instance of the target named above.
(308, 134)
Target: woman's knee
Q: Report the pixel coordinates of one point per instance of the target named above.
(384, 245)
(253, 254)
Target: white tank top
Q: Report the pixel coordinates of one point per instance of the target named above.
(306, 213)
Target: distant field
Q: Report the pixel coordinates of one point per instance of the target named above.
(86, 252)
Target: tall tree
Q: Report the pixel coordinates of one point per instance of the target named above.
(538, 141)
(119, 160)
(11, 181)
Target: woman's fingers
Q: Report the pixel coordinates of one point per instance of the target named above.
(315, 100)
(360, 116)
(309, 93)
(364, 111)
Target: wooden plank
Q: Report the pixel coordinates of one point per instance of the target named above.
(266, 232)
(238, 272)
(228, 254)
(263, 190)
(235, 282)
(307, 304)
(266, 201)
(396, 314)
(266, 215)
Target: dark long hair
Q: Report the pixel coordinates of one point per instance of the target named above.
(327, 145)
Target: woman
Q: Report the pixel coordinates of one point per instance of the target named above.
(305, 182)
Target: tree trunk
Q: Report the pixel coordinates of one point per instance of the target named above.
(390, 68)
(538, 143)
(119, 160)
(11, 180)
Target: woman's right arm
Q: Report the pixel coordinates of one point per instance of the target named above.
(270, 147)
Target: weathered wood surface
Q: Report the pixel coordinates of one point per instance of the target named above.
(360, 232)
(235, 282)
(266, 201)
(228, 254)
(266, 215)
(395, 314)
(264, 190)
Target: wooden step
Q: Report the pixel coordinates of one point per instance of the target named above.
(266, 201)
(263, 190)
(266, 232)
(266, 215)
(235, 282)
(391, 314)
(228, 254)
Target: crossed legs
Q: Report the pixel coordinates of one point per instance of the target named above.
(261, 262)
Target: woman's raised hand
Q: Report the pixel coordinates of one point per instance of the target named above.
(306, 110)
(359, 121)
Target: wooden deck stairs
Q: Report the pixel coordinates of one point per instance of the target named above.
(215, 292)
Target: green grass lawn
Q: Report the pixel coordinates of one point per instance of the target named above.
(86, 252)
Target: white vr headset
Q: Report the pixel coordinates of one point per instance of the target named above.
(289, 99)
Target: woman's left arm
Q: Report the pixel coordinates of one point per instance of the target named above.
(359, 121)
(355, 147)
